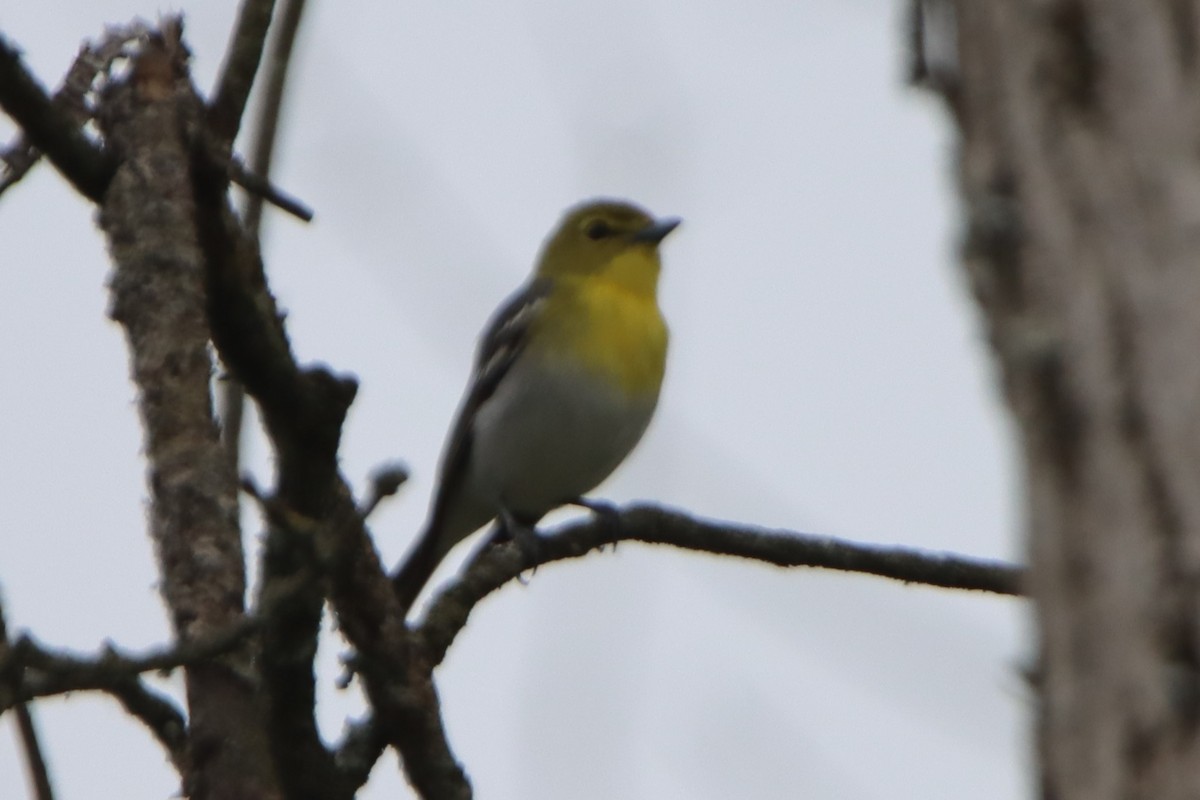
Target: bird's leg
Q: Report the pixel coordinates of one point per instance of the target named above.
(608, 515)
(520, 533)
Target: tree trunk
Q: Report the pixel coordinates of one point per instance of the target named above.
(1080, 172)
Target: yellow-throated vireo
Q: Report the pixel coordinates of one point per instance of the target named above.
(566, 378)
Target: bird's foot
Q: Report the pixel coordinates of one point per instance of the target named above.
(522, 534)
(608, 516)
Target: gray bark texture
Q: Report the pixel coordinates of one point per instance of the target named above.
(1080, 172)
(159, 297)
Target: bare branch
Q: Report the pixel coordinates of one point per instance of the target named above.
(303, 408)
(159, 714)
(289, 645)
(279, 56)
(149, 222)
(158, 291)
(258, 186)
(398, 681)
(51, 128)
(303, 411)
(36, 763)
(254, 180)
(45, 672)
(92, 62)
(360, 749)
(52, 672)
(241, 65)
(495, 566)
(407, 713)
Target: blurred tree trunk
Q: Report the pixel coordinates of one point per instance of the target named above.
(1080, 172)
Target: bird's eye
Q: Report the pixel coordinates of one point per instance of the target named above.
(597, 229)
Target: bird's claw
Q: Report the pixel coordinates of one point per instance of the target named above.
(523, 535)
(608, 515)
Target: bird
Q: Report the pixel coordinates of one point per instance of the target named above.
(566, 378)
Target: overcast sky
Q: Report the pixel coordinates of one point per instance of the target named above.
(828, 374)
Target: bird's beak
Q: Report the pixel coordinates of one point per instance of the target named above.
(656, 231)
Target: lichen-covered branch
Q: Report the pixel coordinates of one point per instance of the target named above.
(158, 296)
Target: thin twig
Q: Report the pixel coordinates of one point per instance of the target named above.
(159, 714)
(258, 186)
(266, 124)
(386, 480)
(34, 760)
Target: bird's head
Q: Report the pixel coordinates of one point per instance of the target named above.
(610, 239)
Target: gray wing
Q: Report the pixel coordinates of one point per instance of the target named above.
(502, 341)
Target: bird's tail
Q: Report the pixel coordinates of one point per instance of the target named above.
(417, 569)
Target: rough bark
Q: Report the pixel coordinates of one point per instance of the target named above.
(158, 292)
(1080, 171)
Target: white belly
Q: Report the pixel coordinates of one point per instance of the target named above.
(550, 435)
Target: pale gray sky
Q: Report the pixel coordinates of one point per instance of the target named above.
(828, 374)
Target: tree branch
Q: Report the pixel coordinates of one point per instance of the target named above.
(289, 646)
(398, 681)
(386, 480)
(93, 61)
(241, 64)
(29, 671)
(51, 128)
(53, 672)
(495, 566)
(279, 56)
(159, 714)
(302, 411)
(35, 761)
(158, 291)
(38, 771)
(233, 394)
(257, 186)
(359, 750)
(44, 672)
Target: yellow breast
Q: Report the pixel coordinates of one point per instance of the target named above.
(610, 330)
